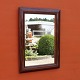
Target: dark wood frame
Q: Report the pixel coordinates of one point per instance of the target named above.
(56, 64)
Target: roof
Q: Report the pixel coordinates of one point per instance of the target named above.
(38, 22)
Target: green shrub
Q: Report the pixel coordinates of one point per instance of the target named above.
(46, 45)
(30, 53)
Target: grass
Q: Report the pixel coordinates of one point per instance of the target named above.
(36, 57)
(30, 57)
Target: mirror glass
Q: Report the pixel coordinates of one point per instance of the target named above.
(39, 39)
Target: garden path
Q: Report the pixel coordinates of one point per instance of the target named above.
(39, 62)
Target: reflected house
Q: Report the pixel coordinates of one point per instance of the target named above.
(38, 29)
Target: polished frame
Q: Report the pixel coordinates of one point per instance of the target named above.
(22, 11)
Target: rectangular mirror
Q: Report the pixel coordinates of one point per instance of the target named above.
(39, 39)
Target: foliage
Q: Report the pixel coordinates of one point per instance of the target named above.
(30, 53)
(40, 19)
(46, 45)
(36, 46)
(30, 57)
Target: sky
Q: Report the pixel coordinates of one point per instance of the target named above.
(28, 16)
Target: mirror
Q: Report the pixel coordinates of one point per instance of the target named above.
(39, 39)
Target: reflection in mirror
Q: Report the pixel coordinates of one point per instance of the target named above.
(39, 39)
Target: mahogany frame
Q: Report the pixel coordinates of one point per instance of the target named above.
(22, 11)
